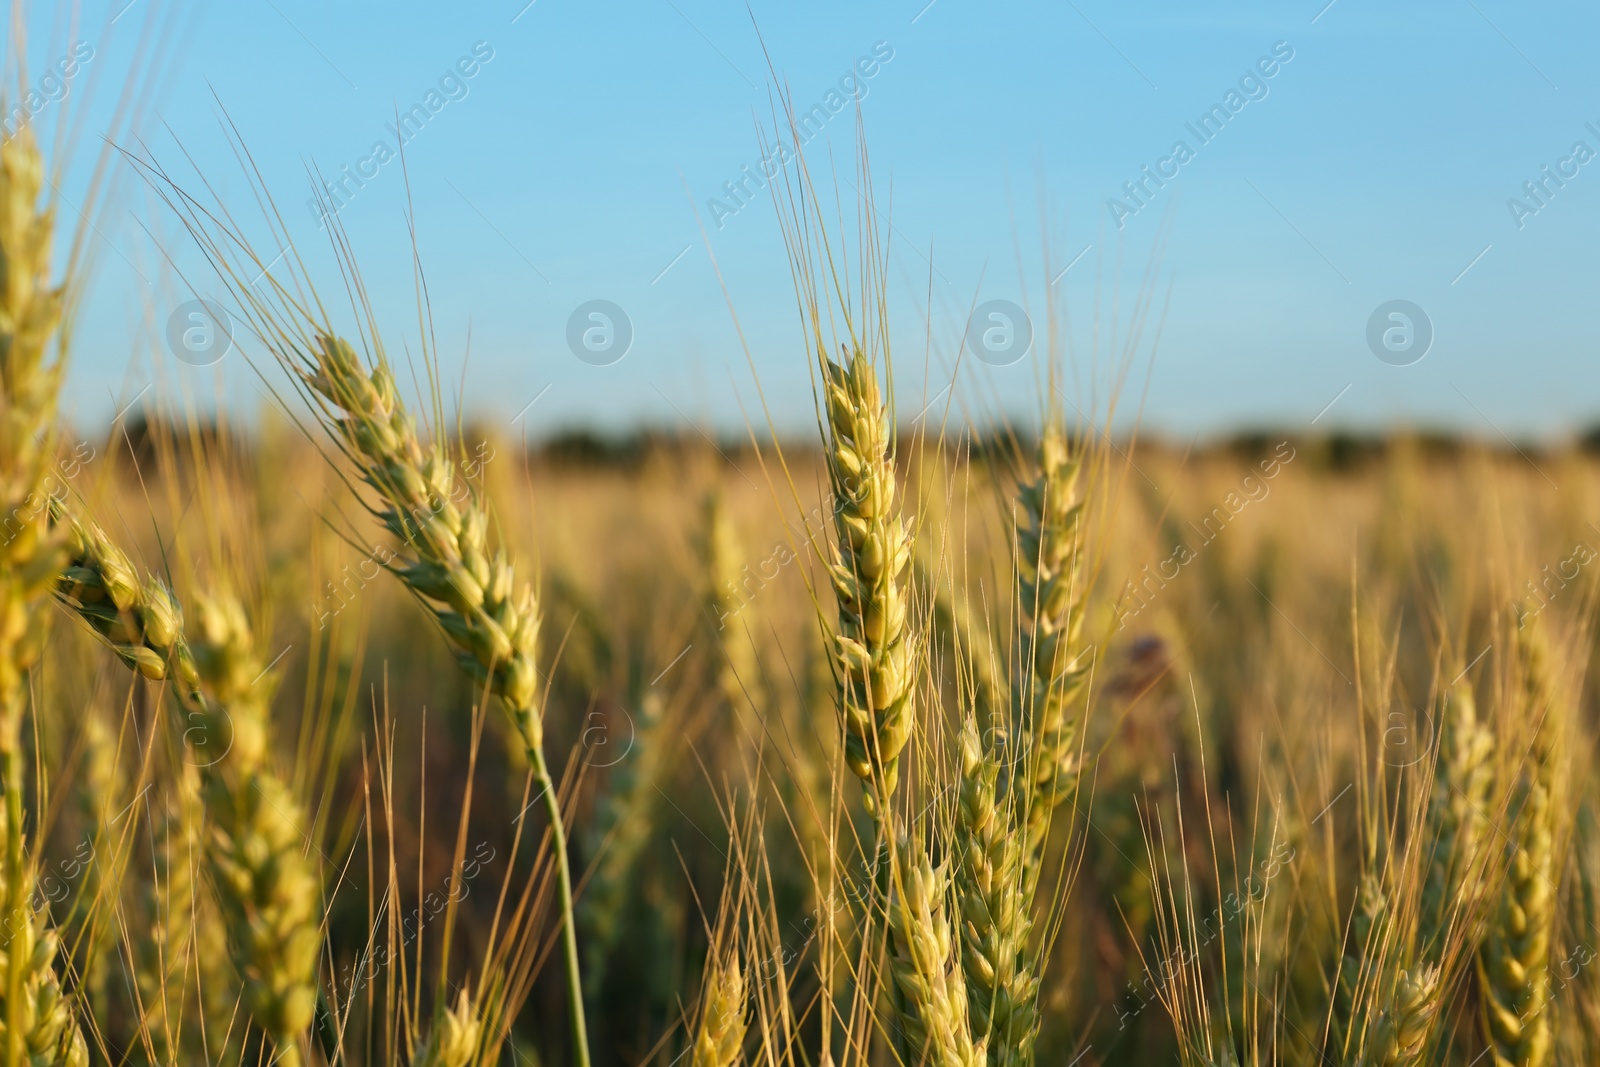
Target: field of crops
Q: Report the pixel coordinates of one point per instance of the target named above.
(379, 737)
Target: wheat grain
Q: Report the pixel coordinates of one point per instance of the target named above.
(492, 622)
(737, 667)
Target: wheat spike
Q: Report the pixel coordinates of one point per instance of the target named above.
(871, 650)
(141, 621)
(455, 1037)
(1456, 814)
(39, 1023)
(266, 886)
(493, 624)
(925, 966)
(1002, 987)
(1051, 594)
(720, 1040)
(1513, 958)
(737, 667)
(1404, 1028)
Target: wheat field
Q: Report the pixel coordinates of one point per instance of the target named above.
(356, 732)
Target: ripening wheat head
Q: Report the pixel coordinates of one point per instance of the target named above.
(1514, 956)
(723, 1015)
(269, 892)
(492, 623)
(1457, 819)
(995, 909)
(926, 966)
(38, 1020)
(872, 660)
(1049, 569)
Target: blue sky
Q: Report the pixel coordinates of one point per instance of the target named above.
(579, 162)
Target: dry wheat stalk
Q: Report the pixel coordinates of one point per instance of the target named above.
(1051, 595)
(872, 660)
(38, 1021)
(1002, 986)
(925, 964)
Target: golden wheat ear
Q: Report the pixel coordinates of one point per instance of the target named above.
(872, 650)
(455, 1037)
(40, 1023)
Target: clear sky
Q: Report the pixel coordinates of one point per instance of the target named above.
(1367, 153)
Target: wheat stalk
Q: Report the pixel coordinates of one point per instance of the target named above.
(871, 651)
(1051, 593)
(1002, 987)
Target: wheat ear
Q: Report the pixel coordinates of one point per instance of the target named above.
(1002, 987)
(1456, 815)
(871, 650)
(1513, 958)
(723, 1020)
(1403, 1029)
(39, 1023)
(925, 967)
(491, 621)
(455, 1037)
(1051, 594)
(268, 890)
(737, 667)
